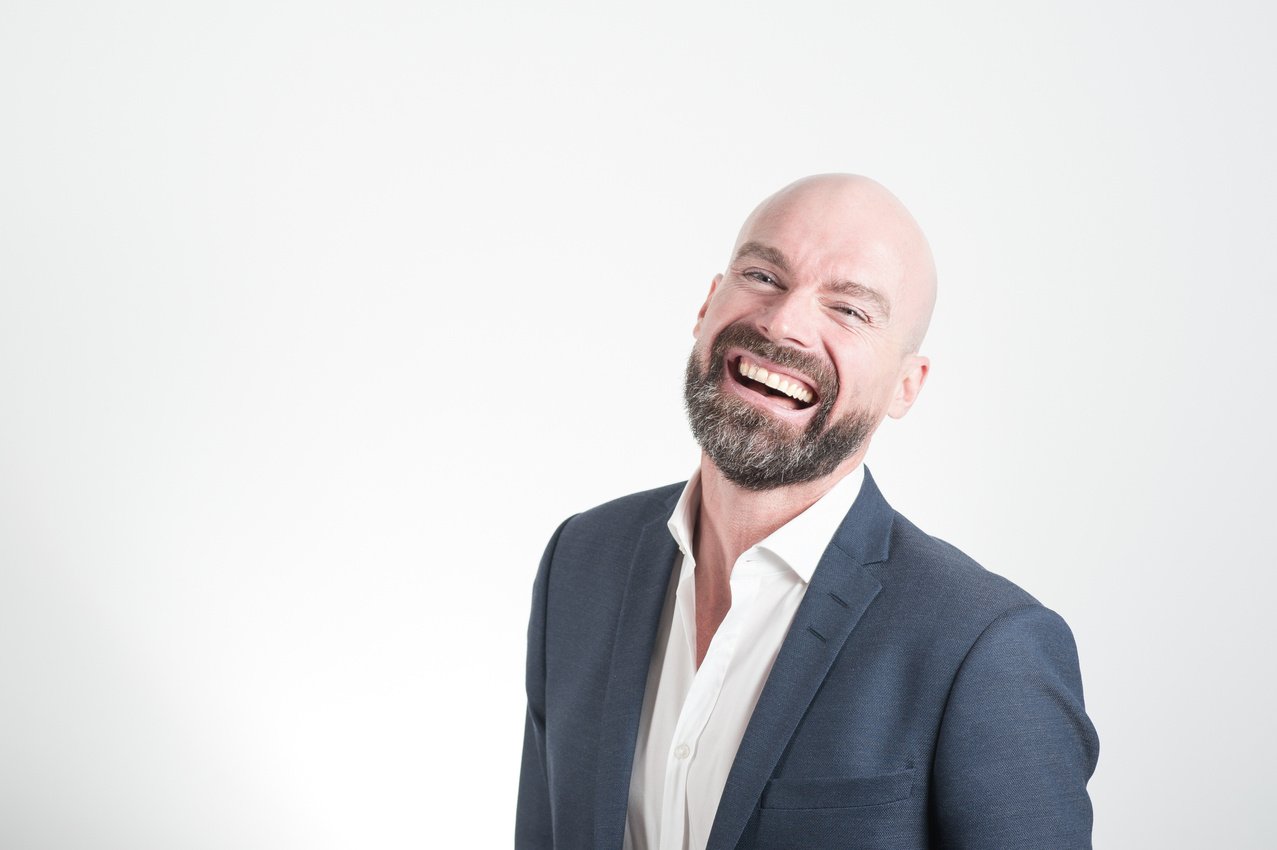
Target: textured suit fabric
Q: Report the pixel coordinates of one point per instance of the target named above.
(918, 701)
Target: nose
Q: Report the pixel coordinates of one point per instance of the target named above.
(788, 320)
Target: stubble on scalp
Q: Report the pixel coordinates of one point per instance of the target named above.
(757, 451)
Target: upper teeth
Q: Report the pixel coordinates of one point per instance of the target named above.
(757, 373)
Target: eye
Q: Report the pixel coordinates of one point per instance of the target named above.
(762, 277)
(852, 312)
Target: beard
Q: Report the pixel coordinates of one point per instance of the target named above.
(754, 449)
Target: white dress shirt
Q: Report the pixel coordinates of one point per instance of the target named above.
(693, 720)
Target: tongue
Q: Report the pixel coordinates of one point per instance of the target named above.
(771, 392)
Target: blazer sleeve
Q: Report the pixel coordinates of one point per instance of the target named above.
(1016, 748)
(533, 822)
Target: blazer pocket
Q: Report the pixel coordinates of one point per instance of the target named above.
(838, 793)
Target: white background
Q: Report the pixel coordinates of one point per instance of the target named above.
(316, 318)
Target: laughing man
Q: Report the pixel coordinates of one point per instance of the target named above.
(769, 656)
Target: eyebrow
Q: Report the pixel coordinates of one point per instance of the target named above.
(859, 290)
(764, 252)
(842, 287)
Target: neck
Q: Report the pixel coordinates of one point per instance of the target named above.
(732, 519)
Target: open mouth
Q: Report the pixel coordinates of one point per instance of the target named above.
(786, 390)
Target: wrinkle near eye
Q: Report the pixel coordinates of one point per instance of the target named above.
(761, 276)
(852, 313)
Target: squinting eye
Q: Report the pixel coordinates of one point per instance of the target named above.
(762, 277)
(851, 311)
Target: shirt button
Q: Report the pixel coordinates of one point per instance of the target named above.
(682, 751)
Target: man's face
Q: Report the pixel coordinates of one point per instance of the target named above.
(805, 342)
(754, 447)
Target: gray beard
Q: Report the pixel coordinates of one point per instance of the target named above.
(757, 451)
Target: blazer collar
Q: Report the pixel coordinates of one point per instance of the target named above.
(840, 592)
(635, 638)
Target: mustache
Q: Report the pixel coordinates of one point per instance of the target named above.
(746, 336)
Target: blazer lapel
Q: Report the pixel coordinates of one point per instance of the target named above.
(631, 657)
(840, 592)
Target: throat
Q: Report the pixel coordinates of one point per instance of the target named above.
(713, 601)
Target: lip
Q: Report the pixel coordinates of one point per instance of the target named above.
(734, 355)
(731, 363)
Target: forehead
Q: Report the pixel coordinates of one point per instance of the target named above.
(829, 241)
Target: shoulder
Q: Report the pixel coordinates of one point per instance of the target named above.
(1014, 746)
(598, 545)
(620, 520)
(581, 583)
(659, 499)
(991, 639)
(923, 563)
(939, 592)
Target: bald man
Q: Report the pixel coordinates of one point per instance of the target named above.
(769, 656)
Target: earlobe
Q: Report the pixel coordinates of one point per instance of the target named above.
(911, 381)
(700, 317)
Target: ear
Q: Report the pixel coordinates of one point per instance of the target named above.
(700, 317)
(913, 376)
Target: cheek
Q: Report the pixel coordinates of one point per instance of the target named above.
(727, 306)
(859, 392)
(707, 325)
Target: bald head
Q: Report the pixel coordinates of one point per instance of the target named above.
(851, 215)
(808, 339)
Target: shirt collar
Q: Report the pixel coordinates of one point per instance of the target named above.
(799, 543)
(683, 520)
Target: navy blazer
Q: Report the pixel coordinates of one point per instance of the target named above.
(918, 701)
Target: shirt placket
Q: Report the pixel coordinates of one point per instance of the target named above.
(698, 708)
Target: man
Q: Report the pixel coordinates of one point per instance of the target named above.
(769, 656)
